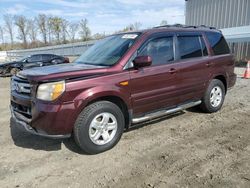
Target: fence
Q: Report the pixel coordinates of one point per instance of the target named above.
(73, 49)
(3, 56)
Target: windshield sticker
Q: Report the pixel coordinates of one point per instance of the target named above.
(129, 36)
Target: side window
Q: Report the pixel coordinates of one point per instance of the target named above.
(160, 50)
(190, 47)
(46, 57)
(35, 58)
(218, 43)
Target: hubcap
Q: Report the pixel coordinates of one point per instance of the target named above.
(103, 128)
(216, 96)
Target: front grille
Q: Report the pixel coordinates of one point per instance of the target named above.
(24, 110)
(21, 90)
(20, 86)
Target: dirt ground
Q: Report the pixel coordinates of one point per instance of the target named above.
(191, 149)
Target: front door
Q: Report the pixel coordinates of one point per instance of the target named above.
(33, 61)
(154, 87)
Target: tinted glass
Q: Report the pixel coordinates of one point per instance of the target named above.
(109, 50)
(189, 47)
(160, 50)
(34, 58)
(218, 43)
(46, 57)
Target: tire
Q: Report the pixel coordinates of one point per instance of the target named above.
(92, 130)
(211, 103)
(13, 71)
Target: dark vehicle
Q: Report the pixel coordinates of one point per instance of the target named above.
(38, 60)
(123, 80)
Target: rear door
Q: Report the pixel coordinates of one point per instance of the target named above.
(194, 64)
(222, 61)
(46, 59)
(154, 87)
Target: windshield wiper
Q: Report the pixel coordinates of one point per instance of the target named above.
(103, 65)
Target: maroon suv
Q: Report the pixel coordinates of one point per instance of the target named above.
(122, 80)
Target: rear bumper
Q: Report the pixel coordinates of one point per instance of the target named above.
(23, 121)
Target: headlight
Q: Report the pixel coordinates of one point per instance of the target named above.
(50, 91)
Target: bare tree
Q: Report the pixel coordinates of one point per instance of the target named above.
(32, 31)
(56, 27)
(43, 26)
(2, 35)
(84, 30)
(22, 24)
(132, 27)
(137, 25)
(73, 29)
(9, 24)
(98, 36)
(64, 26)
(50, 29)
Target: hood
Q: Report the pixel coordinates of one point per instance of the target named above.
(62, 71)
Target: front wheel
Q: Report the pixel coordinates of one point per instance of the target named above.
(214, 97)
(99, 127)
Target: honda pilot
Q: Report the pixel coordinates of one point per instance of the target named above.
(122, 80)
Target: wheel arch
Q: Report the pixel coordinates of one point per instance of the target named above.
(222, 78)
(119, 102)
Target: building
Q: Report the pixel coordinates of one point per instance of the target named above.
(233, 14)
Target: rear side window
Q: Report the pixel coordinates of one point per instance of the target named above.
(218, 43)
(191, 46)
(46, 57)
(160, 50)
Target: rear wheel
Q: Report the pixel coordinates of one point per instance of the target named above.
(99, 127)
(214, 97)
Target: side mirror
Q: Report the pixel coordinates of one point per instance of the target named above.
(142, 61)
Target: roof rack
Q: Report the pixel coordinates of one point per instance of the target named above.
(175, 25)
(186, 26)
(209, 27)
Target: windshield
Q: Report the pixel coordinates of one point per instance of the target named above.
(108, 51)
(22, 59)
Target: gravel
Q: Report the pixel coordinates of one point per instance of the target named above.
(188, 149)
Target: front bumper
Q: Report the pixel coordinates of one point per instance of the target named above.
(23, 121)
(50, 119)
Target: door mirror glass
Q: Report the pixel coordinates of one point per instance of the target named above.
(142, 61)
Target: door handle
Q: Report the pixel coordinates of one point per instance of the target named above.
(208, 64)
(172, 71)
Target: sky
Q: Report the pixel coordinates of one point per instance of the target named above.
(103, 15)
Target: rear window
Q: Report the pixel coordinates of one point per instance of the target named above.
(191, 47)
(218, 43)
